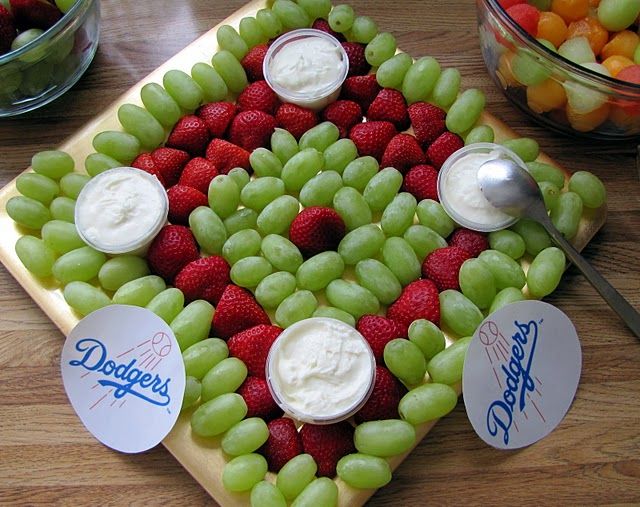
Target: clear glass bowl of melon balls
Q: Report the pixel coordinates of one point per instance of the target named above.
(572, 65)
(44, 49)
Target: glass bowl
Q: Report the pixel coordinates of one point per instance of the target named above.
(552, 90)
(48, 66)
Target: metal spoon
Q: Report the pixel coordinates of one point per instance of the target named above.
(510, 188)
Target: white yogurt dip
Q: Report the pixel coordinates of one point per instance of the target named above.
(320, 370)
(121, 210)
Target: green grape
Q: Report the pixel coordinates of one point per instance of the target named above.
(298, 306)
(38, 187)
(53, 164)
(167, 304)
(528, 69)
(446, 366)
(423, 240)
(363, 471)
(139, 292)
(351, 298)
(320, 190)
(230, 70)
(535, 237)
(322, 491)
(301, 168)
(507, 242)
(229, 40)
(405, 360)
(28, 212)
(577, 49)
(427, 336)
(339, 154)
(122, 269)
(239, 220)
(65, 5)
(71, 184)
(97, 163)
(140, 123)
(61, 236)
(117, 145)
(251, 32)
(398, 215)
(281, 253)
(11, 77)
(224, 377)
(85, 298)
(400, 258)
(546, 172)
(465, 111)
(35, 78)
(316, 8)
(192, 390)
(380, 49)
(81, 264)
(200, 357)
(24, 38)
(208, 229)
(319, 137)
(420, 79)
(269, 23)
(616, 15)
(445, 91)
(476, 282)
(160, 104)
(427, 403)
(506, 271)
(506, 296)
(62, 208)
(332, 312)
(385, 438)
(283, 144)
(542, 5)
(361, 243)
(265, 163)
(244, 243)
(240, 176)
(316, 272)
(363, 29)
(545, 272)
(391, 73)
(341, 18)
(245, 437)
(480, 134)
(213, 87)
(193, 323)
(275, 288)
(459, 313)
(525, 147)
(36, 255)
(258, 193)
(295, 475)
(224, 195)
(589, 187)
(379, 279)
(352, 208)
(276, 218)
(431, 214)
(265, 494)
(567, 213)
(359, 172)
(249, 271)
(218, 415)
(183, 89)
(290, 14)
(550, 194)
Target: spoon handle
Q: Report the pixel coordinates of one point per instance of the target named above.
(620, 305)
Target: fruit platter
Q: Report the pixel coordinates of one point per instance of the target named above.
(279, 213)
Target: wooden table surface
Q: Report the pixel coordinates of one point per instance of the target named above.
(593, 457)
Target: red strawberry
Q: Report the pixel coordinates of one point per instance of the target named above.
(422, 182)
(226, 156)
(34, 14)
(316, 229)
(442, 148)
(217, 116)
(443, 265)
(344, 114)
(297, 120)
(419, 300)
(189, 134)
(358, 65)
(252, 129)
(169, 162)
(258, 96)
(428, 122)
(378, 331)
(403, 152)
(257, 396)
(252, 62)
(323, 25)
(327, 443)
(204, 278)
(252, 346)
(182, 201)
(173, 248)
(389, 105)
(198, 173)
(361, 89)
(145, 163)
(525, 15)
(237, 310)
(384, 399)
(283, 444)
(372, 137)
(7, 29)
(472, 241)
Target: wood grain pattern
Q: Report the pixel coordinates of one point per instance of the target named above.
(47, 456)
